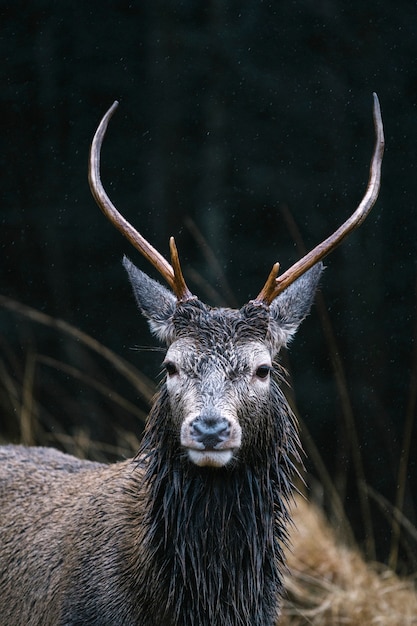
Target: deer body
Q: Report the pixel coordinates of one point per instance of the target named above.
(57, 558)
(190, 532)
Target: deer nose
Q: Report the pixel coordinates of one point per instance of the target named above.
(210, 431)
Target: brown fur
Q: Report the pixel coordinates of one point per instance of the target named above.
(57, 534)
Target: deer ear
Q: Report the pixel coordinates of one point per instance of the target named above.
(289, 309)
(155, 302)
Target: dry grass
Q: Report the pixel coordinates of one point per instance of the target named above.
(331, 585)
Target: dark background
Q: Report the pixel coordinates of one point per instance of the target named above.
(229, 113)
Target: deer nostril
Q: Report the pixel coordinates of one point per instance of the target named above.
(210, 431)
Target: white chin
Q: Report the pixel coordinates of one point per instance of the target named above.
(210, 458)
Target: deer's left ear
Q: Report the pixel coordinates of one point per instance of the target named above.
(289, 309)
(155, 302)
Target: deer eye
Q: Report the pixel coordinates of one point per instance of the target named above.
(263, 371)
(170, 368)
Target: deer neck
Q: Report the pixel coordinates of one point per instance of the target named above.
(215, 536)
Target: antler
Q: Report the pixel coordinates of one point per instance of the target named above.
(172, 273)
(274, 284)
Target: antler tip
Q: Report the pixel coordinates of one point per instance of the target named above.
(378, 121)
(113, 108)
(268, 292)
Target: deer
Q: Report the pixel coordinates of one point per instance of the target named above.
(189, 532)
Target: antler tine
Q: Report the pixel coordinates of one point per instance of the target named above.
(172, 275)
(180, 288)
(276, 285)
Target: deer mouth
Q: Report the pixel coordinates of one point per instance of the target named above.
(209, 457)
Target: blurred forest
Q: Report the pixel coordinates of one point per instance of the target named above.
(237, 120)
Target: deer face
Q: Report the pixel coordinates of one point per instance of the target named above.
(219, 363)
(211, 391)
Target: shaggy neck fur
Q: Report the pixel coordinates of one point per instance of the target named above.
(213, 536)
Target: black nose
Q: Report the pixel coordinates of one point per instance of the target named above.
(210, 431)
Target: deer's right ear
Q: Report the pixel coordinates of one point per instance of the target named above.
(155, 302)
(289, 309)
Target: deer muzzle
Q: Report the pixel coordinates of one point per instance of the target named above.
(211, 439)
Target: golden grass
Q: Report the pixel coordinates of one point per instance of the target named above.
(329, 584)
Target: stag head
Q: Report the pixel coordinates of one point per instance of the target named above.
(219, 362)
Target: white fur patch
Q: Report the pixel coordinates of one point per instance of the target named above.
(210, 458)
